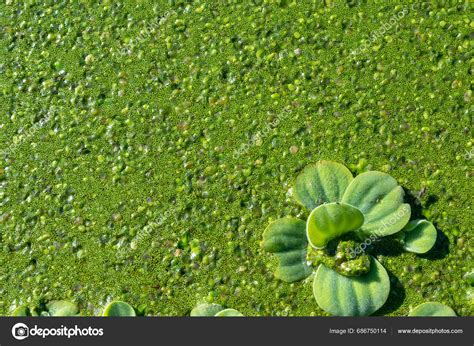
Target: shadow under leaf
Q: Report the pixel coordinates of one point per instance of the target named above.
(415, 203)
(387, 246)
(440, 249)
(396, 297)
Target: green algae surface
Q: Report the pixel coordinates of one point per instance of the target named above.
(145, 146)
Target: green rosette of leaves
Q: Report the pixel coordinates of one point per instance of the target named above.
(344, 212)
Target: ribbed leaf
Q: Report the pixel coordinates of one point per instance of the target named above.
(351, 296)
(379, 197)
(419, 236)
(206, 310)
(229, 313)
(329, 221)
(432, 309)
(286, 238)
(322, 182)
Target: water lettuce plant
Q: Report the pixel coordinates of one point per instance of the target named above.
(61, 308)
(344, 213)
(228, 313)
(432, 309)
(56, 308)
(67, 308)
(214, 310)
(119, 309)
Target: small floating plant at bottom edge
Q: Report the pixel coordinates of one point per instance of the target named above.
(214, 310)
(66, 308)
(57, 308)
(119, 308)
(432, 309)
(345, 212)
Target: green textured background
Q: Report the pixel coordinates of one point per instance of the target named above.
(173, 131)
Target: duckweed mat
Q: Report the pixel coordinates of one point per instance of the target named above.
(145, 146)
